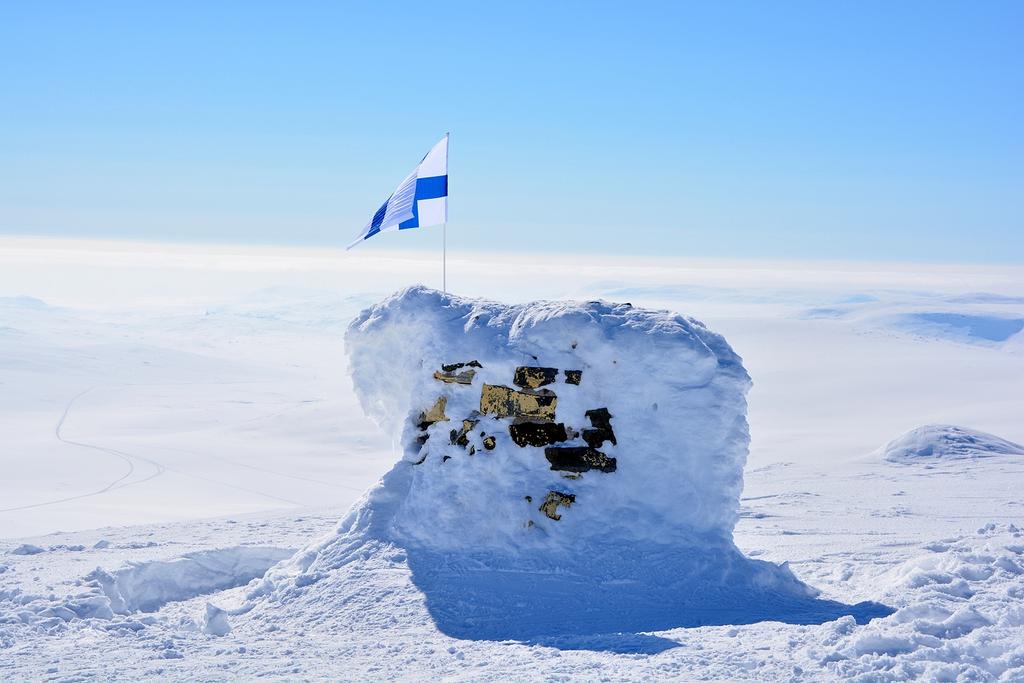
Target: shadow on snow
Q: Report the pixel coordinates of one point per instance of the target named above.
(609, 600)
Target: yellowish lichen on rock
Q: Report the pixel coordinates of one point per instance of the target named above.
(435, 414)
(534, 378)
(450, 373)
(465, 377)
(502, 401)
(460, 437)
(553, 501)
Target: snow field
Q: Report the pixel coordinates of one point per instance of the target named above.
(845, 357)
(958, 616)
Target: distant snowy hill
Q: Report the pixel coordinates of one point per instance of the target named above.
(933, 443)
(980, 327)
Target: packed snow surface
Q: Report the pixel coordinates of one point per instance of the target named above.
(935, 443)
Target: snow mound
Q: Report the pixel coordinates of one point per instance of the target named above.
(148, 586)
(674, 393)
(567, 468)
(143, 587)
(215, 621)
(932, 443)
(959, 616)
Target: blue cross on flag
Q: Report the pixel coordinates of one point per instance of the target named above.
(418, 201)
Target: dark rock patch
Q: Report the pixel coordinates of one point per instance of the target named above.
(578, 459)
(529, 433)
(600, 418)
(601, 431)
(455, 366)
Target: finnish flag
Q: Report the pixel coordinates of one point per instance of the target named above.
(419, 201)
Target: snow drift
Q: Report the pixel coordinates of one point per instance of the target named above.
(935, 443)
(567, 468)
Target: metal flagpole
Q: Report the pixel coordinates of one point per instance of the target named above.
(444, 226)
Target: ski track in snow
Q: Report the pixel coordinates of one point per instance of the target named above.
(159, 468)
(257, 468)
(117, 483)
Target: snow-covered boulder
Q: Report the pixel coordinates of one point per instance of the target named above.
(935, 443)
(673, 391)
(566, 468)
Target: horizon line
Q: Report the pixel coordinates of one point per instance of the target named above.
(504, 254)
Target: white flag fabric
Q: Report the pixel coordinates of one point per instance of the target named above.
(419, 201)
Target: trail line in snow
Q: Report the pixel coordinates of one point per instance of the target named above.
(57, 433)
(236, 487)
(257, 468)
(159, 467)
(120, 483)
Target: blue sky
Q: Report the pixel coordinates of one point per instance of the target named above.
(787, 130)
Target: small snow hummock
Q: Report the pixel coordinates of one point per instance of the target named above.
(27, 549)
(146, 587)
(215, 621)
(567, 468)
(947, 442)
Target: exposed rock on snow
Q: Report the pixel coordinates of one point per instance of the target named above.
(553, 501)
(502, 401)
(534, 378)
(635, 536)
(529, 433)
(450, 373)
(579, 459)
(947, 442)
